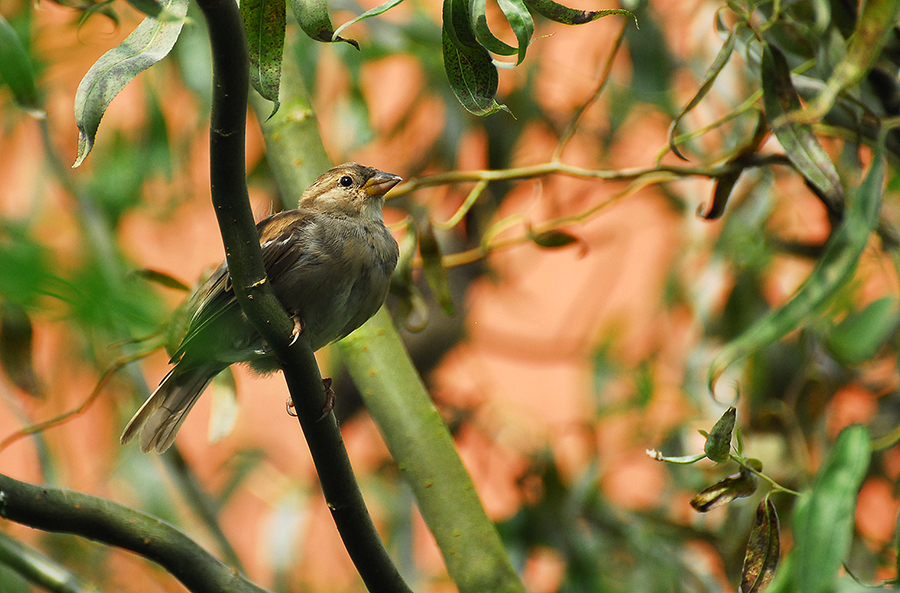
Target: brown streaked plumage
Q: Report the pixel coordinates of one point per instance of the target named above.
(329, 261)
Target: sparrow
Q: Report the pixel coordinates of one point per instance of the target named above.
(329, 262)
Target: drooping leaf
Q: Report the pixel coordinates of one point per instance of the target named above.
(380, 9)
(763, 550)
(264, 21)
(724, 491)
(552, 239)
(313, 17)
(482, 31)
(718, 442)
(434, 270)
(711, 75)
(469, 66)
(16, 348)
(150, 42)
(519, 19)
(824, 532)
(17, 72)
(799, 143)
(572, 16)
(833, 270)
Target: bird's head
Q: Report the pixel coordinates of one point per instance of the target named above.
(350, 189)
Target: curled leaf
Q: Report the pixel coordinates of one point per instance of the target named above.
(724, 491)
(313, 17)
(380, 9)
(763, 550)
(150, 42)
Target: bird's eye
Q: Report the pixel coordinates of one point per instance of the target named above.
(346, 181)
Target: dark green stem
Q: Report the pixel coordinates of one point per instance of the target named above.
(229, 196)
(101, 520)
(38, 569)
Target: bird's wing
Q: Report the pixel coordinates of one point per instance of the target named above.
(282, 236)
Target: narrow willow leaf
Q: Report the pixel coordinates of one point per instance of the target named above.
(380, 9)
(313, 17)
(875, 23)
(572, 16)
(833, 270)
(469, 66)
(264, 21)
(17, 72)
(797, 139)
(824, 536)
(434, 270)
(724, 491)
(16, 347)
(721, 193)
(860, 335)
(718, 442)
(150, 42)
(763, 550)
(161, 278)
(711, 75)
(483, 32)
(522, 24)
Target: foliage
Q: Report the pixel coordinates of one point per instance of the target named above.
(790, 119)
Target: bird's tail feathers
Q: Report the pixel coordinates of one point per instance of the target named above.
(159, 419)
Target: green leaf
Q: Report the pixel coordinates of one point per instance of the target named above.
(469, 66)
(711, 75)
(316, 22)
(833, 270)
(572, 16)
(161, 278)
(264, 21)
(17, 72)
(718, 443)
(824, 534)
(380, 9)
(678, 460)
(861, 334)
(763, 549)
(519, 19)
(434, 270)
(150, 42)
(16, 348)
(799, 143)
(552, 239)
(876, 22)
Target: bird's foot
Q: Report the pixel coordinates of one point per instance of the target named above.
(298, 327)
(329, 399)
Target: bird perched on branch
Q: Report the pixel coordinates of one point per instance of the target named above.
(329, 262)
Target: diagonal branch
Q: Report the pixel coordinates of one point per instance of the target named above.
(255, 295)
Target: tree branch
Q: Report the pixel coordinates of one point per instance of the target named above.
(104, 521)
(255, 295)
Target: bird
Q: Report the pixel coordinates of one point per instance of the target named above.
(329, 262)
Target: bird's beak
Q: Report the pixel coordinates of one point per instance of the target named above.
(381, 183)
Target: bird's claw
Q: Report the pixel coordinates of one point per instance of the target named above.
(298, 328)
(330, 397)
